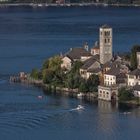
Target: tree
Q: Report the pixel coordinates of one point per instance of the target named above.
(83, 86)
(93, 82)
(48, 75)
(125, 95)
(34, 74)
(133, 58)
(76, 66)
(55, 63)
(45, 64)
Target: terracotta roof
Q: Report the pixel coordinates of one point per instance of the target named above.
(114, 63)
(76, 53)
(96, 48)
(107, 64)
(135, 72)
(136, 87)
(68, 57)
(97, 70)
(113, 71)
(121, 78)
(90, 61)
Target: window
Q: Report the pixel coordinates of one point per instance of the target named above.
(105, 40)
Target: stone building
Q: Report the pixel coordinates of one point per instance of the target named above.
(75, 54)
(138, 59)
(105, 37)
(134, 78)
(114, 77)
(90, 66)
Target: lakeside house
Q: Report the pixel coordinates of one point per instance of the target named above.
(75, 54)
(91, 66)
(134, 78)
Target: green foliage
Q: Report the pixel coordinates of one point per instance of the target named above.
(93, 83)
(45, 64)
(83, 86)
(54, 63)
(125, 95)
(52, 74)
(48, 75)
(133, 59)
(35, 74)
(76, 66)
(73, 78)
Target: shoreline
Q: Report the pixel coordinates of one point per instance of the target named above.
(35, 5)
(90, 97)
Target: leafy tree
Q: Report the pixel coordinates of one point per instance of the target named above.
(69, 81)
(133, 59)
(48, 75)
(45, 64)
(54, 63)
(76, 66)
(125, 95)
(35, 74)
(83, 86)
(93, 83)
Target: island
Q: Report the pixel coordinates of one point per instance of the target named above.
(91, 73)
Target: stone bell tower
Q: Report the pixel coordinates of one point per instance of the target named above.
(105, 44)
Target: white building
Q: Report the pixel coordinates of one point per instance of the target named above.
(66, 63)
(114, 78)
(105, 44)
(108, 93)
(134, 77)
(90, 66)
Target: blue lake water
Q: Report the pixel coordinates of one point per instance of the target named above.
(30, 35)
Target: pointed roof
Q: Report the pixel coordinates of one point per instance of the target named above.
(77, 53)
(135, 72)
(90, 61)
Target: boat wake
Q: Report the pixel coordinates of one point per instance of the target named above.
(79, 107)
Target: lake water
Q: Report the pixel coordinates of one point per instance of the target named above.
(30, 35)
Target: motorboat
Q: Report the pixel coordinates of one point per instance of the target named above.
(126, 113)
(79, 107)
(39, 97)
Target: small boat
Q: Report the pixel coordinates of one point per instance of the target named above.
(105, 4)
(40, 5)
(80, 95)
(39, 97)
(126, 113)
(80, 107)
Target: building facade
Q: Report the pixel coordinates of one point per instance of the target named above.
(105, 37)
(133, 78)
(108, 93)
